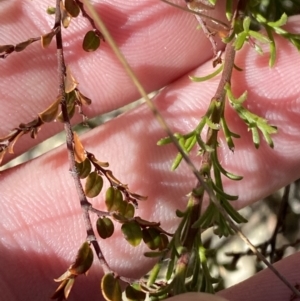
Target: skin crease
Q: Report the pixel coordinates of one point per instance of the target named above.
(41, 225)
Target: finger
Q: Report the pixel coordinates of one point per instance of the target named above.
(44, 218)
(160, 42)
(265, 286)
(196, 297)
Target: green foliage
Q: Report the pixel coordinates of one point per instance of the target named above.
(50, 10)
(83, 168)
(132, 233)
(82, 264)
(113, 199)
(127, 210)
(91, 41)
(207, 77)
(188, 263)
(270, 16)
(246, 34)
(133, 294)
(273, 9)
(93, 185)
(84, 260)
(105, 227)
(152, 238)
(254, 122)
(72, 8)
(111, 288)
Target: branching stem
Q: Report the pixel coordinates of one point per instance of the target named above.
(220, 95)
(212, 139)
(85, 205)
(281, 216)
(85, 15)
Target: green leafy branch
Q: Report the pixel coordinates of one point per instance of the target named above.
(187, 268)
(185, 247)
(253, 121)
(269, 16)
(181, 253)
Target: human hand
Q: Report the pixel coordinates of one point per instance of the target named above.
(41, 223)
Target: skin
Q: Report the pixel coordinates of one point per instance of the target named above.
(41, 225)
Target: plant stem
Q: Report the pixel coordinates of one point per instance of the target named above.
(85, 15)
(219, 97)
(212, 140)
(85, 205)
(281, 216)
